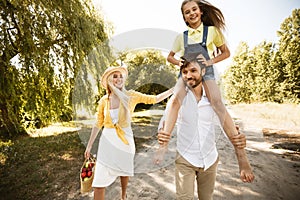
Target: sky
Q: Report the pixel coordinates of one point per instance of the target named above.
(249, 21)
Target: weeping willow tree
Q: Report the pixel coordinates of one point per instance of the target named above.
(43, 46)
(149, 71)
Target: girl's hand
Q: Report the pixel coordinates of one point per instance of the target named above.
(180, 62)
(217, 52)
(205, 62)
(159, 155)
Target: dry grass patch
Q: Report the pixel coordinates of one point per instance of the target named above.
(269, 115)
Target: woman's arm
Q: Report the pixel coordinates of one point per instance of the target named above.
(164, 95)
(93, 136)
(96, 128)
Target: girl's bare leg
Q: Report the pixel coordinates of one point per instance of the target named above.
(124, 183)
(99, 193)
(174, 104)
(214, 95)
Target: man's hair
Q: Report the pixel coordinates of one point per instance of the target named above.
(189, 58)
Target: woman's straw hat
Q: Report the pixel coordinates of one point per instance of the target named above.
(111, 70)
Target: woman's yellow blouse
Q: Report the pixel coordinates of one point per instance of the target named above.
(103, 115)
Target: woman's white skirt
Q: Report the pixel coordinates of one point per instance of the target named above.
(114, 158)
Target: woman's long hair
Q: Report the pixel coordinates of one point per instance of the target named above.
(120, 93)
(212, 16)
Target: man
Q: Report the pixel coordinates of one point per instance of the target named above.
(197, 155)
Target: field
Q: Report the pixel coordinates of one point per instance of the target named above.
(45, 165)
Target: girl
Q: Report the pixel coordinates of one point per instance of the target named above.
(116, 145)
(205, 23)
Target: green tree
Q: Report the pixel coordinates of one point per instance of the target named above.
(238, 78)
(269, 72)
(43, 44)
(278, 77)
(88, 90)
(146, 68)
(289, 48)
(264, 85)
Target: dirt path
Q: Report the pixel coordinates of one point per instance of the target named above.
(276, 173)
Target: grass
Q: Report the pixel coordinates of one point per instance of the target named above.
(46, 164)
(270, 115)
(279, 124)
(41, 167)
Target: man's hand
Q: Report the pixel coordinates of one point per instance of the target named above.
(163, 137)
(239, 141)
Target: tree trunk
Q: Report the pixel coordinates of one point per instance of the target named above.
(9, 128)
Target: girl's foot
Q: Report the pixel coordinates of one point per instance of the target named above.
(246, 173)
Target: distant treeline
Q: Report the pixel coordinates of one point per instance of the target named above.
(269, 72)
(54, 52)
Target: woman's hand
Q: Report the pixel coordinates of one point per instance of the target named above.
(87, 153)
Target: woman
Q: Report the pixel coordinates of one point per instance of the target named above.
(116, 145)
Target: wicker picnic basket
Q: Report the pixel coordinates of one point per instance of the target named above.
(86, 174)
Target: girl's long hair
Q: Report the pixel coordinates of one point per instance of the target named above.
(212, 16)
